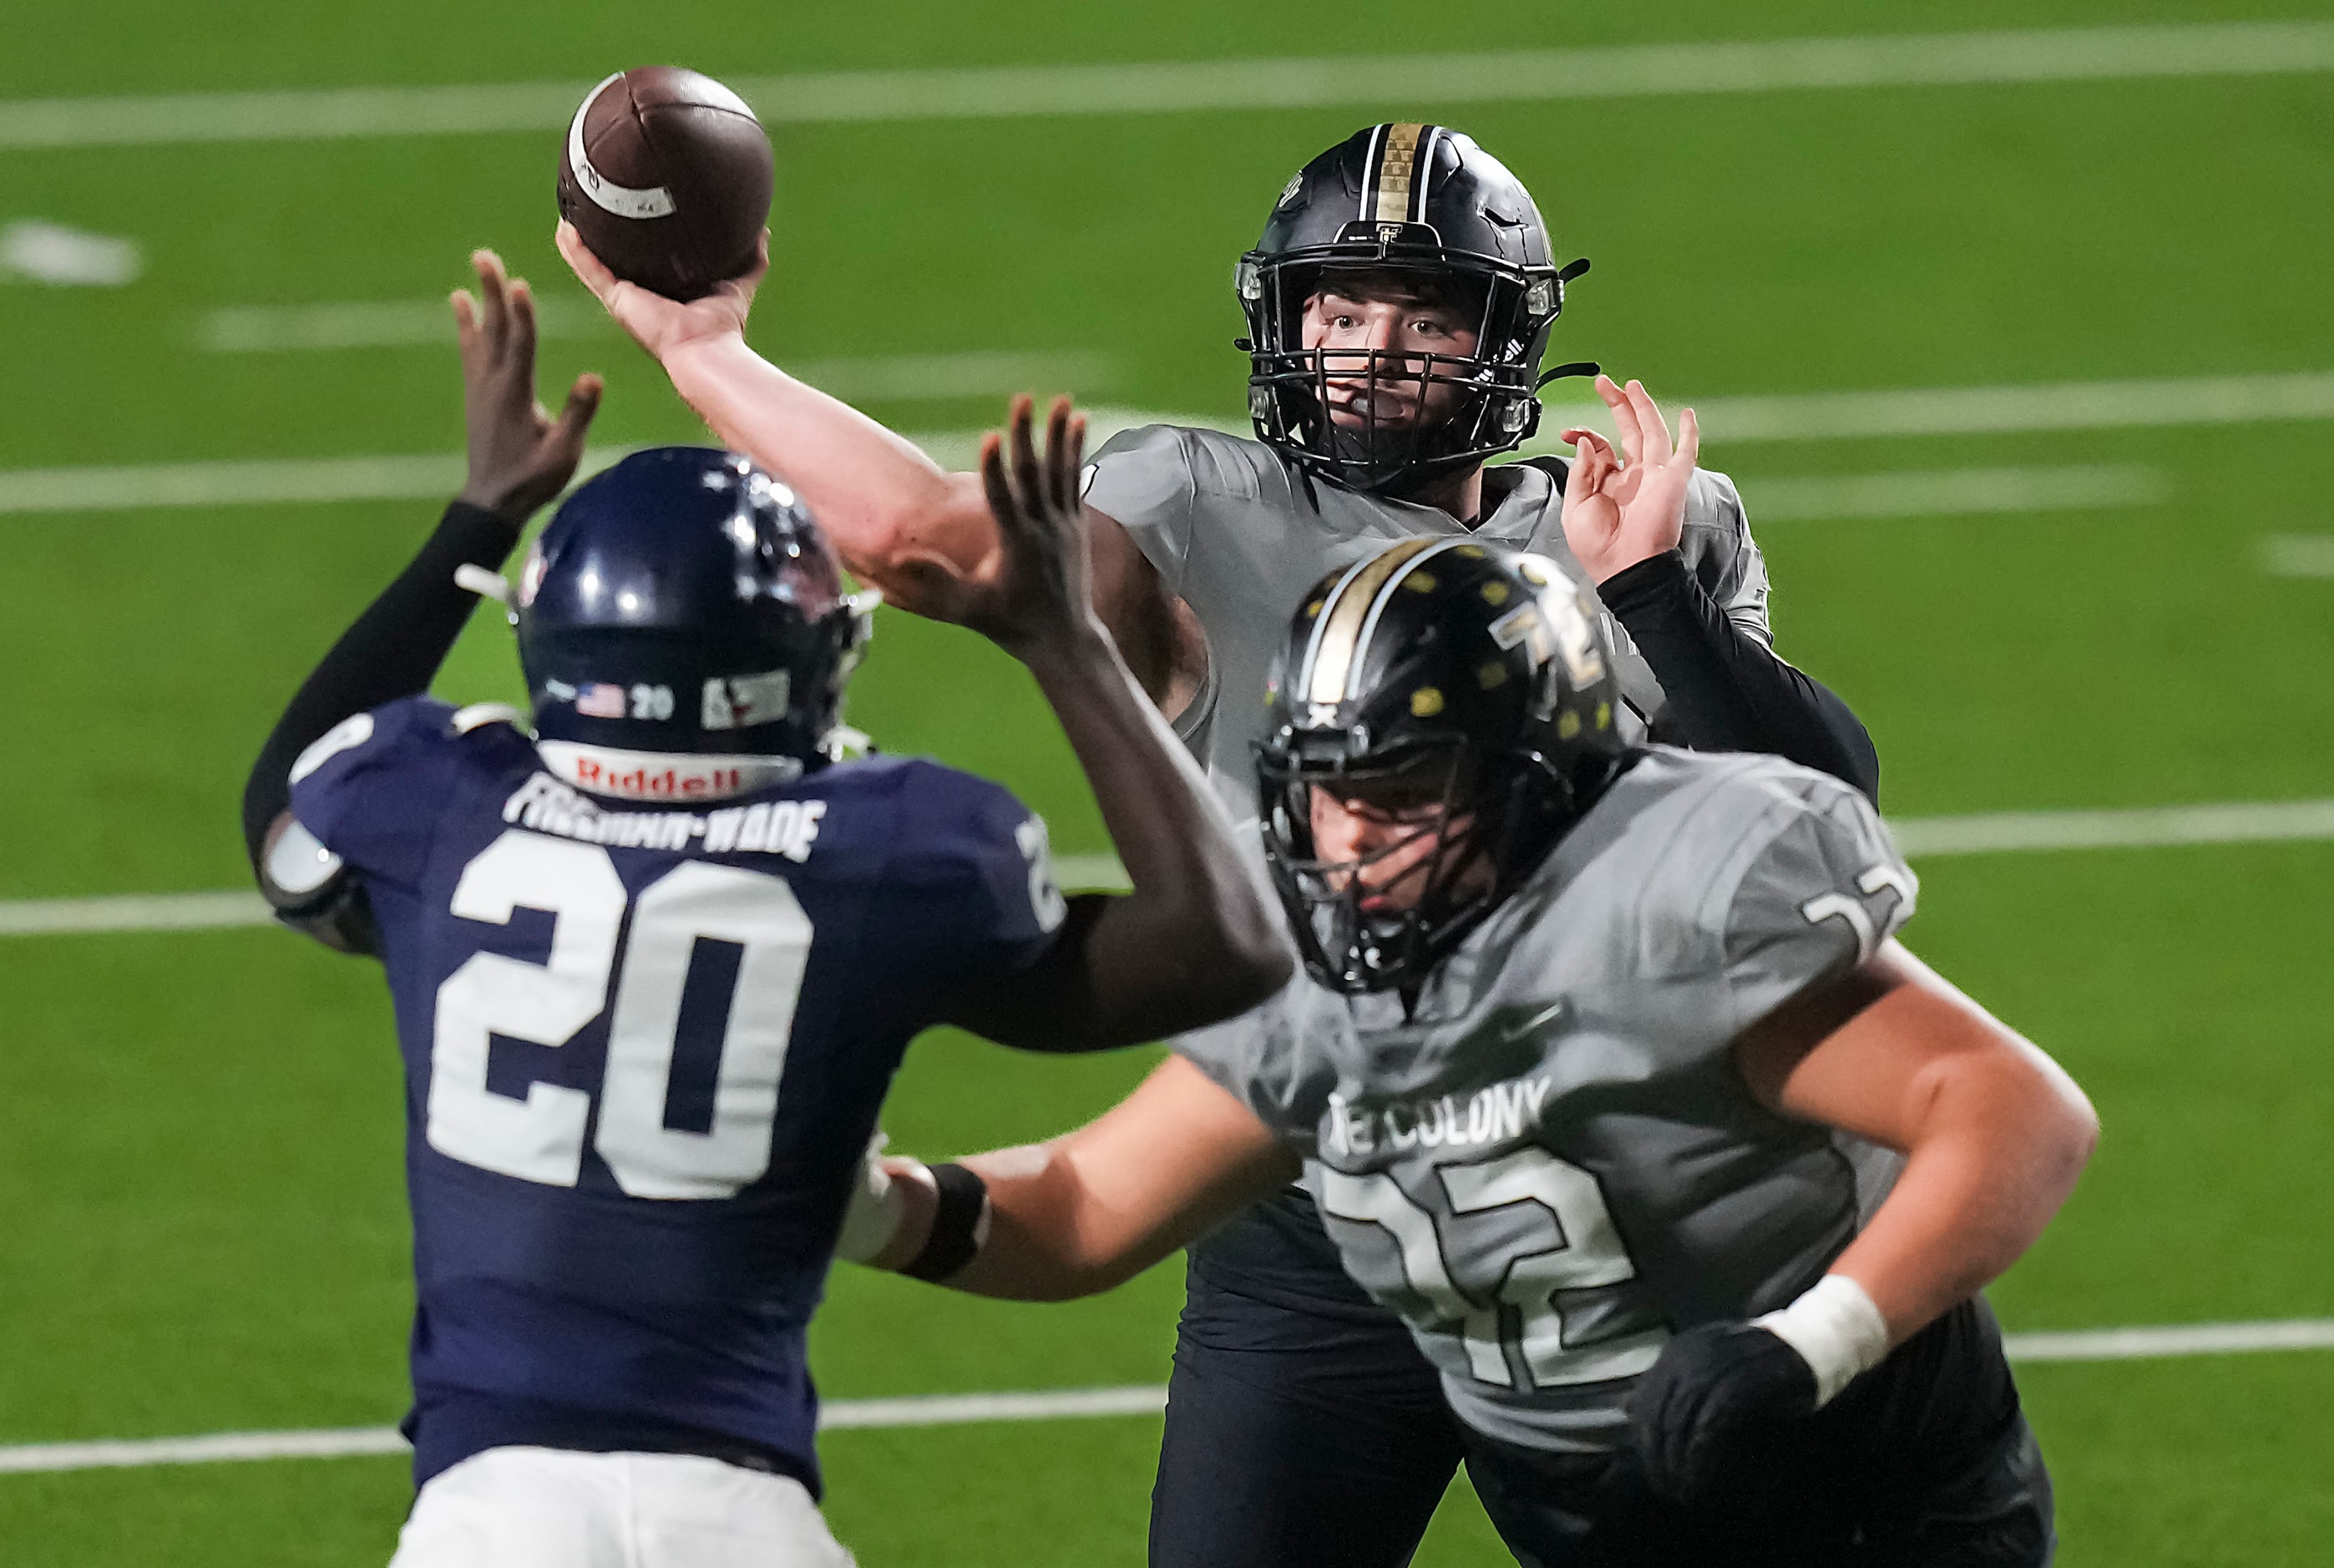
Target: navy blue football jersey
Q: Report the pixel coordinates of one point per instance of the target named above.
(645, 1046)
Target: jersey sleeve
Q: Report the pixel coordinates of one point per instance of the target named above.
(1818, 897)
(1143, 479)
(1722, 556)
(977, 872)
(1260, 1058)
(375, 786)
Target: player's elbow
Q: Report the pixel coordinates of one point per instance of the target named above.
(2021, 1113)
(2071, 1125)
(1251, 967)
(941, 525)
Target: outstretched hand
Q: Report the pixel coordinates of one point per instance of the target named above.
(659, 324)
(520, 456)
(1619, 511)
(1035, 590)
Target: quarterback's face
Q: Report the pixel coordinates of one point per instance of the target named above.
(1384, 314)
(1392, 840)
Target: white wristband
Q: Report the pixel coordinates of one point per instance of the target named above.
(1837, 1330)
(877, 1204)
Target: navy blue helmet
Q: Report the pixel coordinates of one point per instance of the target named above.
(684, 600)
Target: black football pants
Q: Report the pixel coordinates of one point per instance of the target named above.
(1925, 1462)
(1301, 1440)
(1296, 1440)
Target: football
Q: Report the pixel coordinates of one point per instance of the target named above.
(667, 176)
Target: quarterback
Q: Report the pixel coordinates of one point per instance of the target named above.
(655, 956)
(1609, 1075)
(1398, 306)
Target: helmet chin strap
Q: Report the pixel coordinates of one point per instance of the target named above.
(1571, 367)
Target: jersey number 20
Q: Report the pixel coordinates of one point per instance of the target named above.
(541, 1136)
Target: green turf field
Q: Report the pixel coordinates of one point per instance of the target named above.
(199, 1160)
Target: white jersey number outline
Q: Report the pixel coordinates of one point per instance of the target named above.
(1588, 1251)
(541, 1136)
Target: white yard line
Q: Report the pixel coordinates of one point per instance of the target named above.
(131, 912)
(2178, 1340)
(1988, 410)
(1404, 82)
(1071, 1404)
(347, 1442)
(1921, 838)
(430, 323)
(370, 324)
(2146, 828)
(1955, 493)
(434, 477)
(1738, 422)
(2298, 555)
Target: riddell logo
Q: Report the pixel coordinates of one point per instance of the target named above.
(641, 784)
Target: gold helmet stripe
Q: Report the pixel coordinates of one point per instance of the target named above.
(1335, 650)
(1394, 159)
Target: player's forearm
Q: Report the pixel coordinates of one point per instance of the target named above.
(1092, 1208)
(1196, 940)
(1999, 1150)
(1041, 1236)
(878, 496)
(1726, 690)
(394, 649)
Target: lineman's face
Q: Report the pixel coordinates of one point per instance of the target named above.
(1384, 313)
(1386, 834)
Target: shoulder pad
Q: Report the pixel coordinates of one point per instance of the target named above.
(480, 714)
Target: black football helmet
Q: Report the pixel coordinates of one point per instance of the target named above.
(1446, 670)
(1402, 198)
(684, 600)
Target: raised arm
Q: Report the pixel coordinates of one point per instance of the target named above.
(520, 457)
(1197, 939)
(1053, 1221)
(900, 522)
(1726, 690)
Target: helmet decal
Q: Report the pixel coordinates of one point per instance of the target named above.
(1339, 635)
(1401, 166)
(1467, 689)
(684, 601)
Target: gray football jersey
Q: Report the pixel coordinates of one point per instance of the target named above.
(1554, 1164)
(1239, 535)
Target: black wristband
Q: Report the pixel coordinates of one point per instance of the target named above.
(959, 1223)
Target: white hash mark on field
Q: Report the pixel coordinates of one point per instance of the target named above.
(1920, 838)
(1070, 1404)
(1376, 82)
(2298, 555)
(50, 252)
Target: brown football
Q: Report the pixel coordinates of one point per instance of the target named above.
(667, 176)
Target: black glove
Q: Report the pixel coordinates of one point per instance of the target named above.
(1697, 1415)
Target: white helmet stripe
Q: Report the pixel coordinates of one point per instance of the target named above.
(1369, 208)
(1385, 596)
